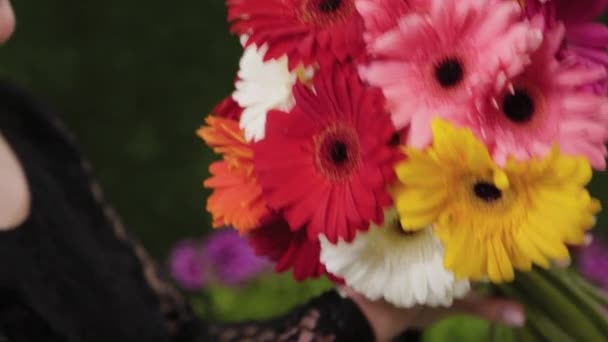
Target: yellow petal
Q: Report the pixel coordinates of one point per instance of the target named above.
(458, 145)
(414, 200)
(419, 174)
(419, 169)
(573, 170)
(520, 261)
(501, 180)
(547, 244)
(504, 262)
(493, 268)
(500, 268)
(574, 238)
(455, 245)
(523, 242)
(417, 222)
(595, 206)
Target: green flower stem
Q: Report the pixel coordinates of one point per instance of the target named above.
(527, 334)
(538, 324)
(564, 281)
(556, 305)
(599, 296)
(547, 328)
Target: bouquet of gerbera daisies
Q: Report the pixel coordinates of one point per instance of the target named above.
(408, 148)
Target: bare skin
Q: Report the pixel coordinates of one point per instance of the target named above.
(386, 320)
(7, 20)
(14, 195)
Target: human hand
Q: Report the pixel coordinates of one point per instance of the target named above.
(388, 321)
(7, 20)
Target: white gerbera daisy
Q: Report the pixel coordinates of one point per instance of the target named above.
(406, 269)
(263, 86)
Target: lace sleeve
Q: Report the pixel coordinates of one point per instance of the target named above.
(72, 272)
(328, 317)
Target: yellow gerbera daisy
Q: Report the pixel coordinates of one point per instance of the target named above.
(493, 220)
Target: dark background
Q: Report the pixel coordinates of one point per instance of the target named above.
(134, 80)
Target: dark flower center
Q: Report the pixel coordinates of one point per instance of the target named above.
(337, 151)
(487, 191)
(519, 106)
(449, 72)
(329, 6)
(325, 13)
(395, 139)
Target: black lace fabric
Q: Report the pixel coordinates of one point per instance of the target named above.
(72, 272)
(328, 317)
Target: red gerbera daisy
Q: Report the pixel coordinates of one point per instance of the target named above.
(304, 30)
(326, 165)
(288, 249)
(228, 109)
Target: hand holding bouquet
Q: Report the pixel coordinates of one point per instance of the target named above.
(409, 148)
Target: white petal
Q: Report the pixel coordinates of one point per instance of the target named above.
(404, 269)
(262, 86)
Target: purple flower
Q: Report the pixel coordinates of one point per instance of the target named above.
(186, 265)
(593, 262)
(230, 257)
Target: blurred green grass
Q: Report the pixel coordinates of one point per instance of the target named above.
(134, 79)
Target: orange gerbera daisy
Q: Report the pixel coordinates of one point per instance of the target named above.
(237, 198)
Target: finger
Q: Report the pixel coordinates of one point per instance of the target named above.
(588, 240)
(498, 310)
(564, 263)
(386, 320)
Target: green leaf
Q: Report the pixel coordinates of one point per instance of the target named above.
(458, 328)
(262, 298)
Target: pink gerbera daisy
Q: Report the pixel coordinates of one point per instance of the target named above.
(306, 31)
(600, 85)
(327, 163)
(380, 16)
(545, 105)
(440, 60)
(543, 8)
(586, 41)
(579, 11)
